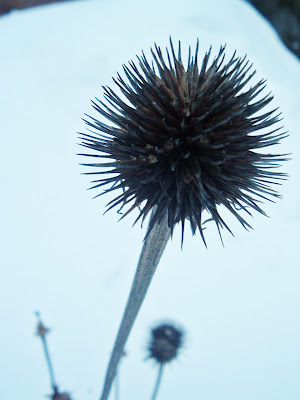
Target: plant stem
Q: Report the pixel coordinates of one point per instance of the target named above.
(154, 245)
(49, 363)
(158, 380)
(117, 386)
(42, 331)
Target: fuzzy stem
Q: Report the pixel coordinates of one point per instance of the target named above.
(158, 380)
(154, 245)
(49, 363)
(117, 391)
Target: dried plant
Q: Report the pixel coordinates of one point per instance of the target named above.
(182, 142)
(165, 342)
(42, 331)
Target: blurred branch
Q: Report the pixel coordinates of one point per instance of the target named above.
(284, 15)
(10, 5)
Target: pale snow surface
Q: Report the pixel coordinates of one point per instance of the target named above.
(239, 305)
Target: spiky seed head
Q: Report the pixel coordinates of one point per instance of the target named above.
(184, 141)
(165, 342)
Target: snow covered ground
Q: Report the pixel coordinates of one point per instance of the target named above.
(239, 305)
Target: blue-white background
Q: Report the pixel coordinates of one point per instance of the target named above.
(240, 305)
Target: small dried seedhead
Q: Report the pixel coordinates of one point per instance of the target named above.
(165, 342)
(60, 395)
(41, 330)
